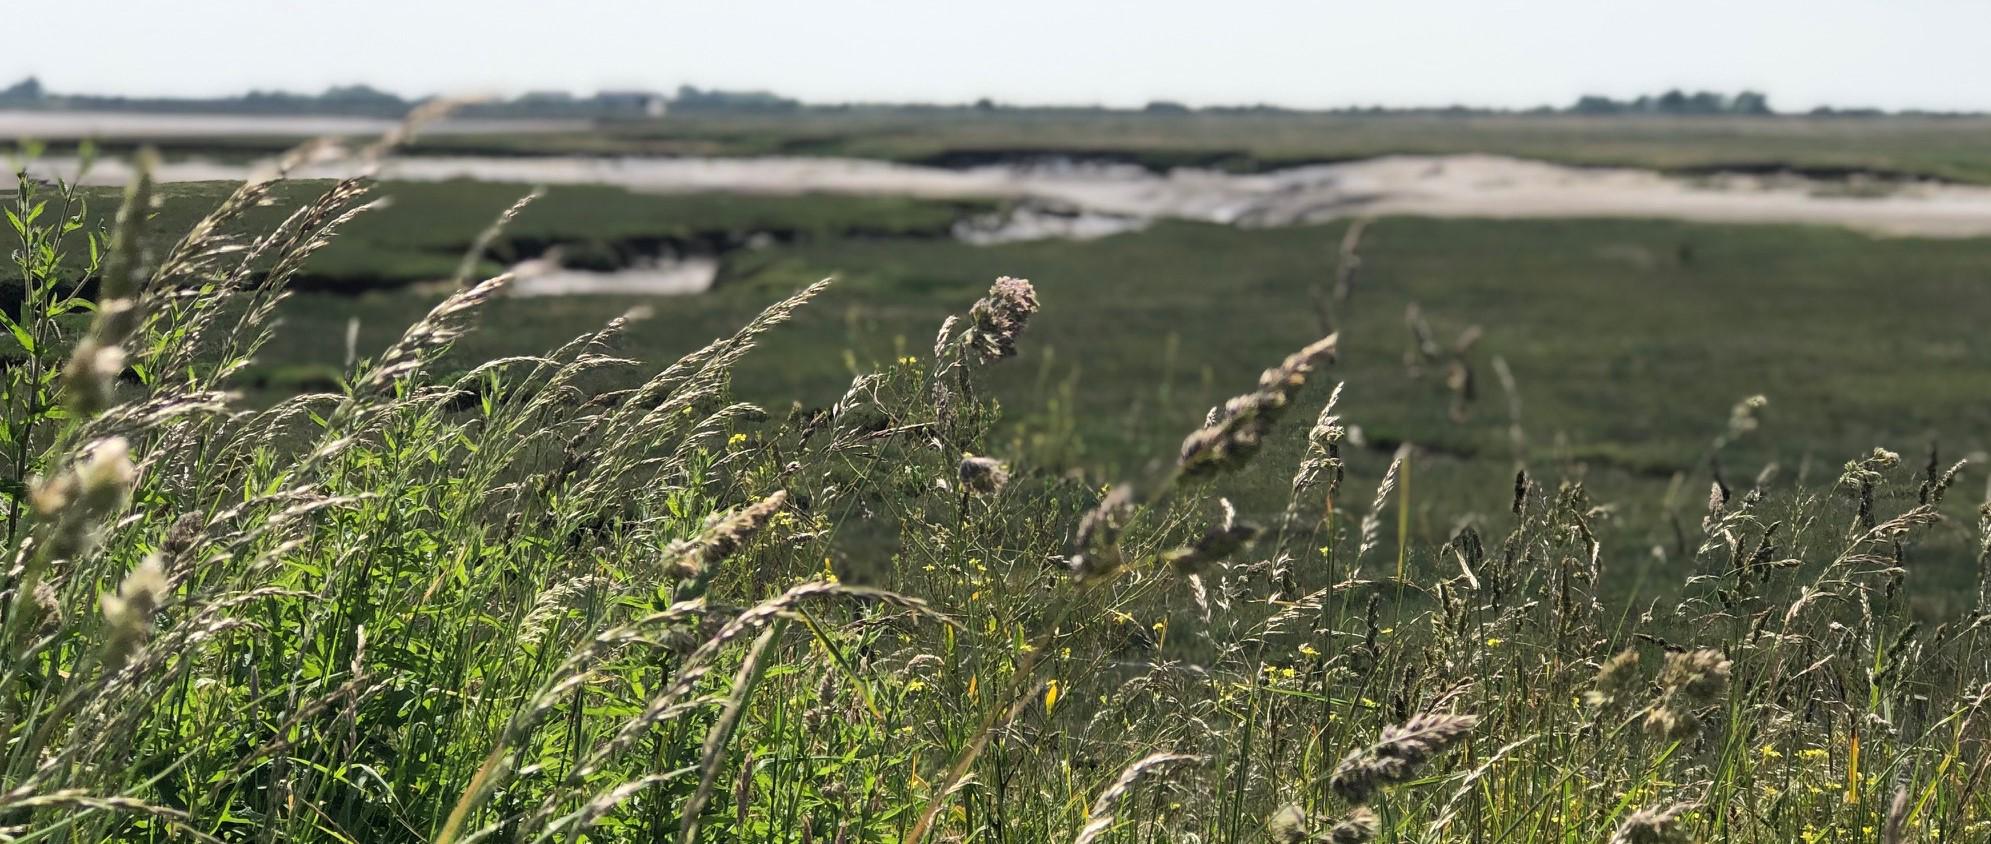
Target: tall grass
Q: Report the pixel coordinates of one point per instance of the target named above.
(557, 597)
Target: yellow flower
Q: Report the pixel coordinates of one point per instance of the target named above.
(1813, 753)
(1771, 752)
(1309, 651)
(736, 440)
(1050, 696)
(1493, 642)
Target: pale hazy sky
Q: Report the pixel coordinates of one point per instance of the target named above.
(1890, 53)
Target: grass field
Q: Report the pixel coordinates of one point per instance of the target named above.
(1948, 148)
(525, 571)
(1628, 342)
(424, 232)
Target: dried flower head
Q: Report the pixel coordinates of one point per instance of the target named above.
(1234, 432)
(983, 475)
(1397, 754)
(999, 317)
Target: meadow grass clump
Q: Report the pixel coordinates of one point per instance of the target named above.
(559, 596)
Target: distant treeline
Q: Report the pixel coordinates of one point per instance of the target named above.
(366, 101)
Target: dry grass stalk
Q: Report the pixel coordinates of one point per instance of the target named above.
(1397, 754)
(1237, 430)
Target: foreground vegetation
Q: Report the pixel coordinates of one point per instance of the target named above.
(560, 597)
(1627, 342)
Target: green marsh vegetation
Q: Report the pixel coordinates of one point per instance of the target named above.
(565, 595)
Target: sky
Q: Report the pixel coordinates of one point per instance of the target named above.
(1893, 54)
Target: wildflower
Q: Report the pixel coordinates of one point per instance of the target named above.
(1493, 642)
(1309, 651)
(1050, 696)
(999, 317)
(983, 475)
(736, 440)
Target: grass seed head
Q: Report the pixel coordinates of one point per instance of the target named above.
(1234, 432)
(1215, 545)
(1654, 826)
(693, 559)
(1689, 681)
(1397, 754)
(983, 475)
(1358, 827)
(128, 614)
(1096, 548)
(1288, 825)
(1616, 679)
(999, 317)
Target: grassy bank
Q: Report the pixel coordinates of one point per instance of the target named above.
(570, 595)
